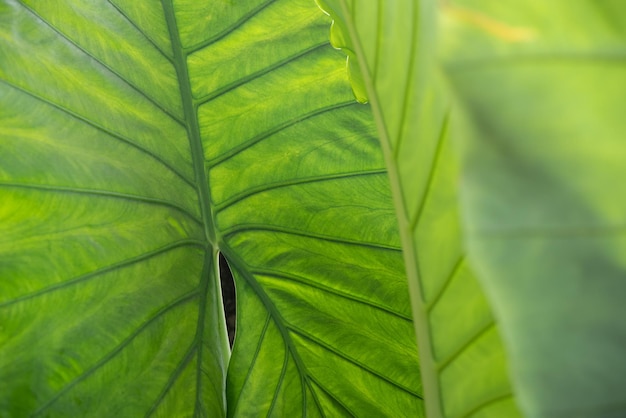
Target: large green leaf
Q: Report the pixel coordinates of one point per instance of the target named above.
(109, 302)
(391, 48)
(542, 86)
(137, 140)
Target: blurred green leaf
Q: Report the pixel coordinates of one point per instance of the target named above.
(541, 87)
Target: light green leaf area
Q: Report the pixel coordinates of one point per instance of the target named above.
(137, 140)
(541, 195)
(463, 363)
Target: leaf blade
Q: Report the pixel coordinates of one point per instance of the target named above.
(392, 45)
(549, 202)
(104, 201)
(150, 198)
(308, 217)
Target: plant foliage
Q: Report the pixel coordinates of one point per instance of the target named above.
(139, 140)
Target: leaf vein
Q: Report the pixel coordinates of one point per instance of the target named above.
(330, 394)
(124, 344)
(152, 100)
(103, 193)
(490, 323)
(243, 80)
(205, 278)
(431, 174)
(281, 379)
(173, 377)
(455, 269)
(125, 263)
(102, 129)
(309, 379)
(486, 403)
(408, 81)
(212, 163)
(356, 362)
(336, 292)
(141, 31)
(191, 120)
(294, 182)
(271, 309)
(307, 234)
(230, 29)
(254, 358)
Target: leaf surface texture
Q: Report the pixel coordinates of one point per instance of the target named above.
(138, 139)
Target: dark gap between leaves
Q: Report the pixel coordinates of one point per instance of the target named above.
(228, 298)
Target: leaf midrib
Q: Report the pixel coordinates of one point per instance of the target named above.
(209, 210)
(191, 123)
(430, 378)
(201, 182)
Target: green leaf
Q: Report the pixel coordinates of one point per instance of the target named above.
(542, 89)
(140, 139)
(109, 303)
(461, 355)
